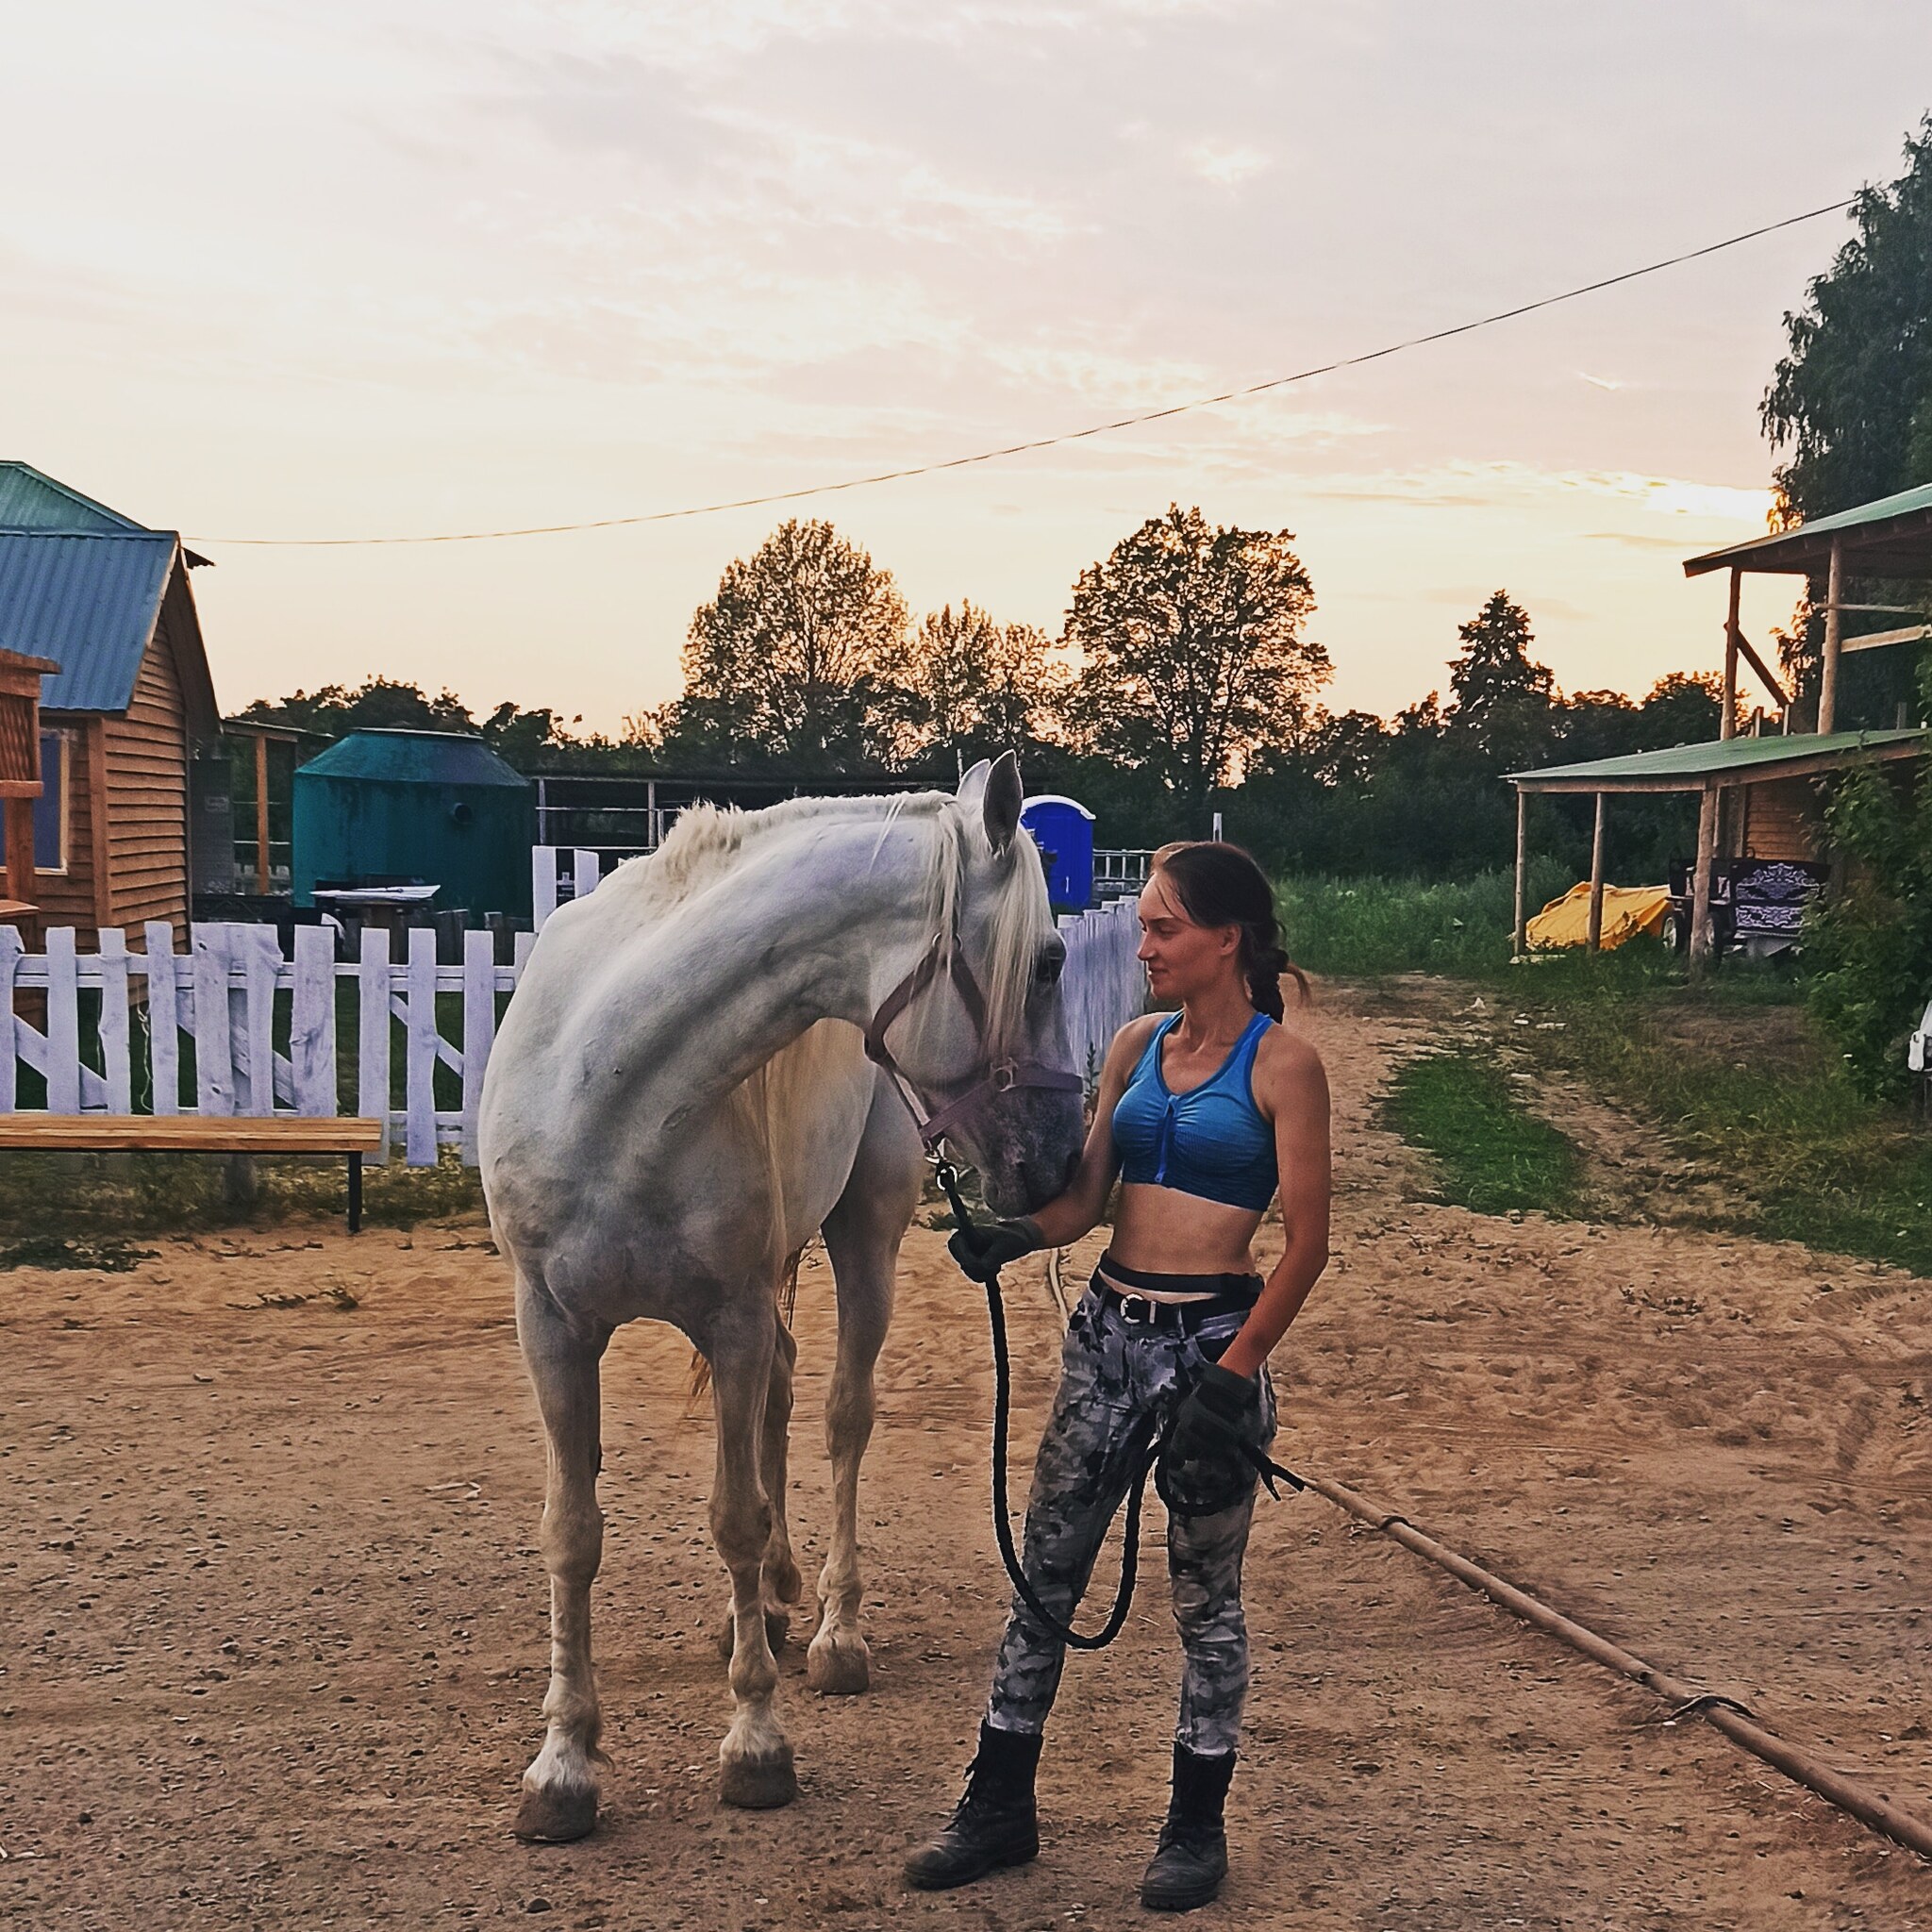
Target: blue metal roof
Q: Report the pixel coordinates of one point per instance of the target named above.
(32, 500)
(88, 602)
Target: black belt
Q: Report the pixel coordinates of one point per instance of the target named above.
(1238, 1295)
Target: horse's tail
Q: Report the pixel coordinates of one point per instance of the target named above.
(788, 1302)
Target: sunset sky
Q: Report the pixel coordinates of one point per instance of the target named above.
(410, 268)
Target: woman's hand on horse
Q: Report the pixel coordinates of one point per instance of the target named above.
(982, 1252)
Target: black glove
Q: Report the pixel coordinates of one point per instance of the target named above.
(982, 1252)
(1204, 1467)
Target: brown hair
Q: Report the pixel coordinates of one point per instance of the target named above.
(1219, 884)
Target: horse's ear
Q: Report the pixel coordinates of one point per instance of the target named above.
(1005, 795)
(973, 783)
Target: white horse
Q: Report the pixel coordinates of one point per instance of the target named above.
(681, 1096)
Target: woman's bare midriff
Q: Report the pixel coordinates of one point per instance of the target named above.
(1166, 1232)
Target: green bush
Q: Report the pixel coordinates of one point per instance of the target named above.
(1870, 947)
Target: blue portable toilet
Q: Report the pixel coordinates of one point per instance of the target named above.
(1064, 830)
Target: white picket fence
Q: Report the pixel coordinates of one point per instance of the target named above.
(1106, 986)
(232, 997)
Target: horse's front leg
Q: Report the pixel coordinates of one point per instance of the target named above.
(559, 1800)
(755, 1760)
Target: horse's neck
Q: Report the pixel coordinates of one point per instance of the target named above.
(808, 932)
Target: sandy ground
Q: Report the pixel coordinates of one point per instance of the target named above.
(274, 1630)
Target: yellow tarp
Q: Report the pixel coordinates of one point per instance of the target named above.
(1627, 910)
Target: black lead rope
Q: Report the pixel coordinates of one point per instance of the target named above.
(1146, 1456)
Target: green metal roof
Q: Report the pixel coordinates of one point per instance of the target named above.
(1892, 536)
(32, 500)
(1686, 767)
(412, 757)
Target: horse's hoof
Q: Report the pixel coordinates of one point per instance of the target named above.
(778, 1628)
(758, 1784)
(557, 1817)
(837, 1669)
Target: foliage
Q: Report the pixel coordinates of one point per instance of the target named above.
(1852, 398)
(1193, 657)
(1490, 1153)
(975, 688)
(1502, 697)
(799, 655)
(1870, 944)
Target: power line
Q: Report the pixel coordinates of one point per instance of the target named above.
(1014, 449)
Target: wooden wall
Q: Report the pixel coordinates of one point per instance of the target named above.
(126, 809)
(1782, 819)
(144, 771)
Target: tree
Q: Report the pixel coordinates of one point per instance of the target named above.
(1502, 696)
(801, 652)
(1870, 944)
(376, 703)
(1852, 399)
(1193, 658)
(978, 687)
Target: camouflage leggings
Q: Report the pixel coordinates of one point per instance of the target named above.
(1116, 1378)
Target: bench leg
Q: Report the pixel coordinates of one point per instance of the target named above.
(355, 1193)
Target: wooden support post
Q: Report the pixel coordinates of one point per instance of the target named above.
(1828, 685)
(19, 850)
(1703, 946)
(1726, 725)
(262, 869)
(1522, 867)
(1595, 937)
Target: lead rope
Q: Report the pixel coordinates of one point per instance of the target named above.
(1146, 1456)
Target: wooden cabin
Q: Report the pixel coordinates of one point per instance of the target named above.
(125, 715)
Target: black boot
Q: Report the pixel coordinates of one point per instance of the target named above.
(993, 1824)
(1192, 1858)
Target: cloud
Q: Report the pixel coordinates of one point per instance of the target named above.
(1226, 164)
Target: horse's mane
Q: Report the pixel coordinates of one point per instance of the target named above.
(708, 843)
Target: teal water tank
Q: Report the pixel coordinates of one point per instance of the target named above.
(437, 805)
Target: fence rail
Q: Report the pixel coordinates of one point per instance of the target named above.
(231, 1028)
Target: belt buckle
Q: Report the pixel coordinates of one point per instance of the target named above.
(1136, 1309)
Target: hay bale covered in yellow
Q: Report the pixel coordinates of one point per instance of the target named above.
(1628, 912)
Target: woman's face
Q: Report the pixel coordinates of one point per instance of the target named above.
(1183, 959)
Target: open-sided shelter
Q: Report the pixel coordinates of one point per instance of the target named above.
(124, 714)
(1758, 795)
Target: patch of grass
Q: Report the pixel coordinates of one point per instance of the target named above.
(1491, 1152)
(1362, 926)
(45, 1196)
(103, 1253)
(1734, 1076)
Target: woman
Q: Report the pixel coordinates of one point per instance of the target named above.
(1200, 1113)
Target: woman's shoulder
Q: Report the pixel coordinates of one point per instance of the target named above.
(1130, 1042)
(1283, 1055)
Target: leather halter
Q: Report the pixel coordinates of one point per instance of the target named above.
(1001, 1075)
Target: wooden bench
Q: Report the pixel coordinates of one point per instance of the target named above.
(109, 1133)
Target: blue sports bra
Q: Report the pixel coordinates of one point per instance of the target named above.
(1210, 1140)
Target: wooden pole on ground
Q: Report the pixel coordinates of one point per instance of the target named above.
(1726, 725)
(1703, 947)
(1522, 867)
(261, 874)
(1827, 684)
(1595, 938)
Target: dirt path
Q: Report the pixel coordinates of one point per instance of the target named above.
(276, 1627)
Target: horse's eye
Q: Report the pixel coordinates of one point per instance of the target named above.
(1052, 958)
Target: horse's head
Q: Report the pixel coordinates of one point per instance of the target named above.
(988, 1051)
